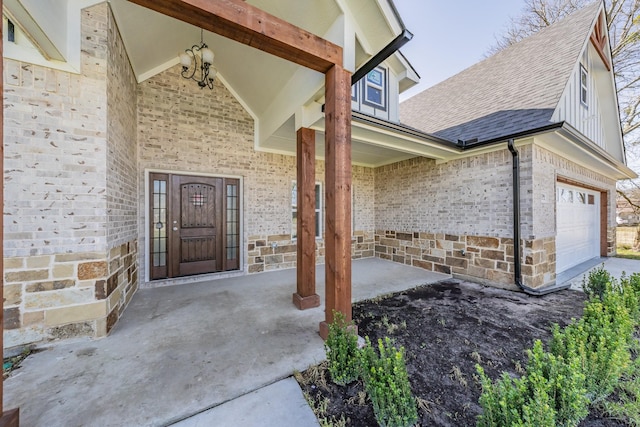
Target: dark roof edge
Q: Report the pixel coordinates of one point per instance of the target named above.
(517, 135)
(568, 131)
(398, 127)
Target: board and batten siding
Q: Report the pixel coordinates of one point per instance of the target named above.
(392, 97)
(588, 119)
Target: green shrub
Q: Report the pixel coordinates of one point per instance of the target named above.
(597, 282)
(564, 382)
(630, 287)
(507, 402)
(550, 393)
(342, 350)
(600, 341)
(587, 361)
(387, 383)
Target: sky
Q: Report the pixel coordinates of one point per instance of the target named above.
(451, 35)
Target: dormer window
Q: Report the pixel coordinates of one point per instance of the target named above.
(375, 88)
(584, 86)
(11, 31)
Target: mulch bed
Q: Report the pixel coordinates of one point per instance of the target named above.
(446, 329)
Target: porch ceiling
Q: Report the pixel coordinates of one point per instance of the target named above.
(153, 42)
(253, 75)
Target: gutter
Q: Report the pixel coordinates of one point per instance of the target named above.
(516, 233)
(395, 44)
(386, 52)
(531, 132)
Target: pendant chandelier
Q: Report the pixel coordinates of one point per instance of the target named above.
(197, 64)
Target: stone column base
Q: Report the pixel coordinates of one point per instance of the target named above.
(10, 418)
(324, 330)
(304, 303)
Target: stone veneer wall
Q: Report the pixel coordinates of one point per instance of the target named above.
(280, 251)
(426, 214)
(480, 258)
(209, 132)
(69, 262)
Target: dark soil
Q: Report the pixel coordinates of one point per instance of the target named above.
(446, 329)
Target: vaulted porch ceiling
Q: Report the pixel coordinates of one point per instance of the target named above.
(271, 89)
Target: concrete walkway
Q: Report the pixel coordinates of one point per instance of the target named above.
(181, 350)
(615, 266)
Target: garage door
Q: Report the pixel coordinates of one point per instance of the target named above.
(578, 226)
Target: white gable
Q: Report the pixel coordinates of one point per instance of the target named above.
(589, 102)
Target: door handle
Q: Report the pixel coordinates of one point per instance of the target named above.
(175, 228)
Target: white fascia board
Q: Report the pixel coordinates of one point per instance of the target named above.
(59, 22)
(302, 86)
(355, 26)
(159, 69)
(470, 152)
(24, 51)
(295, 93)
(38, 37)
(308, 115)
(390, 16)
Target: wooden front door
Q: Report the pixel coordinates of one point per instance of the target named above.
(194, 227)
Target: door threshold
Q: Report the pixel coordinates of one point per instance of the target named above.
(191, 279)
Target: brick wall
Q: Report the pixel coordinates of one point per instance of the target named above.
(427, 213)
(547, 168)
(184, 129)
(70, 211)
(458, 197)
(122, 193)
(55, 142)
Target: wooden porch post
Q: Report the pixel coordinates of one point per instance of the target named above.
(338, 195)
(239, 21)
(10, 418)
(306, 296)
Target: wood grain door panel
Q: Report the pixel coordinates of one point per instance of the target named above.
(196, 225)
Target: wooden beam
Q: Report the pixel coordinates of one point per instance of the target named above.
(246, 24)
(338, 195)
(306, 296)
(599, 40)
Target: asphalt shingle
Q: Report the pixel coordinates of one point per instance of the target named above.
(513, 91)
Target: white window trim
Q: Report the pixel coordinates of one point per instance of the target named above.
(382, 87)
(319, 211)
(584, 88)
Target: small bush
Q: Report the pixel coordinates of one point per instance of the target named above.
(600, 341)
(563, 380)
(597, 282)
(507, 403)
(387, 383)
(342, 350)
(550, 393)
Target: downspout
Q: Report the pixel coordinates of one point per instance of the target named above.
(517, 258)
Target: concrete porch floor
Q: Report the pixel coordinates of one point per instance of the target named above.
(180, 350)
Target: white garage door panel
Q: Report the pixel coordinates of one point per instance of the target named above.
(578, 226)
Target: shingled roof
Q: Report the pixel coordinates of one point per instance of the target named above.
(513, 91)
